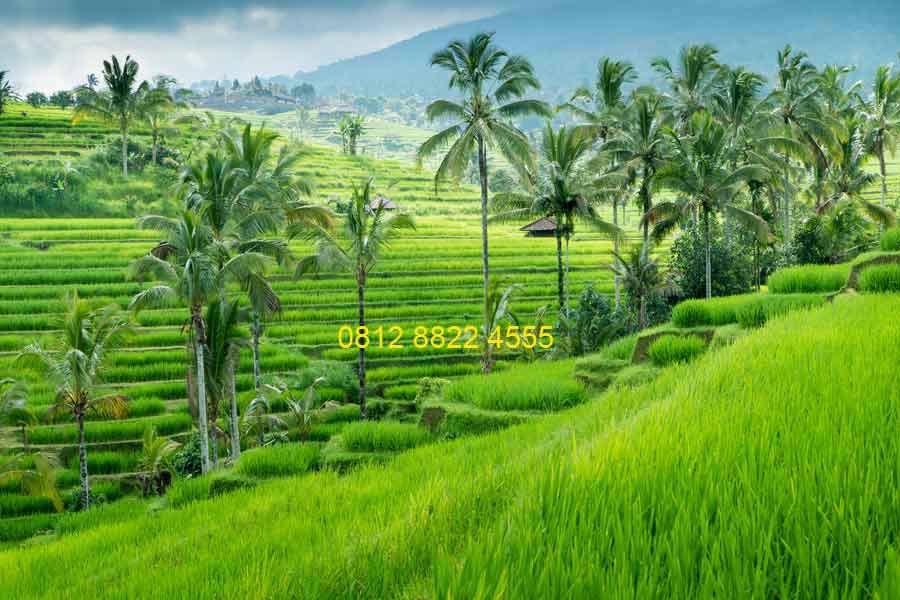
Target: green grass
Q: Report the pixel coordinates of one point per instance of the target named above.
(880, 278)
(383, 436)
(672, 349)
(739, 475)
(541, 385)
(278, 461)
(762, 308)
(890, 240)
(110, 431)
(726, 310)
(106, 462)
(808, 279)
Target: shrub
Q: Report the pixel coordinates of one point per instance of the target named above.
(186, 460)
(890, 240)
(672, 349)
(594, 322)
(757, 311)
(880, 278)
(732, 268)
(541, 385)
(278, 461)
(832, 237)
(808, 279)
(381, 436)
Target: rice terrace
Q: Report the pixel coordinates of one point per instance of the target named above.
(500, 300)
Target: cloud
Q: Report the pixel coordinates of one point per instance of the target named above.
(52, 44)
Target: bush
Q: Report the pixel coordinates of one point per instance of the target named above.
(880, 278)
(374, 436)
(732, 267)
(672, 349)
(594, 322)
(890, 240)
(278, 461)
(186, 460)
(806, 279)
(542, 385)
(831, 238)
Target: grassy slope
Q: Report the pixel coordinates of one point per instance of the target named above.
(765, 469)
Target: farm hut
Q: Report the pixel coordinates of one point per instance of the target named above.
(543, 227)
(383, 203)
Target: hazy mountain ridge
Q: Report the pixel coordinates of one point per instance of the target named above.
(565, 41)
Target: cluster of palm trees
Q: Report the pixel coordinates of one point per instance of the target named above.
(715, 142)
(351, 128)
(7, 91)
(126, 101)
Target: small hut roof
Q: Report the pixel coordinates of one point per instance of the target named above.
(542, 224)
(383, 203)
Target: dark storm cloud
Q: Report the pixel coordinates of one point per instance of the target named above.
(160, 15)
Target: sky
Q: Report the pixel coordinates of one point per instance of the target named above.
(53, 44)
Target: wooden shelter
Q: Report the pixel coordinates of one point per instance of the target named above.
(383, 203)
(543, 227)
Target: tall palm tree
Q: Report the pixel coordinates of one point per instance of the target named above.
(75, 367)
(366, 234)
(796, 102)
(607, 109)
(158, 107)
(640, 148)
(224, 341)
(7, 92)
(692, 80)
(493, 85)
(882, 114)
(14, 410)
(121, 102)
(641, 278)
(192, 269)
(556, 193)
(702, 173)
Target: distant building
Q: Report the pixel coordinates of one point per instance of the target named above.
(383, 203)
(543, 227)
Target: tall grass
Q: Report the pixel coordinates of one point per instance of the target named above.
(278, 461)
(806, 279)
(724, 311)
(382, 436)
(890, 240)
(671, 349)
(541, 385)
(880, 278)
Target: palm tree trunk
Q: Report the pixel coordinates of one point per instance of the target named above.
(155, 144)
(361, 369)
(203, 426)
(123, 127)
(256, 331)
(214, 443)
(82, 464)
(645, 196)
(559, 271)
(486, 360)
(235, 431)
(708, 261)
(883, 170)
(567, 272)
(786, 217)
(615, 206)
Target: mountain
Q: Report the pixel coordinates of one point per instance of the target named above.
(564, 41)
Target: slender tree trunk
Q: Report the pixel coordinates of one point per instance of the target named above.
(756, 276)
(708, 261)
(883, 169)
(256, 331)
(203, 425)
(82, 464)
(361, 293)
(123, 127)
(155, 144)
(786, 217)
(486, 359)
(615, 205)
(214, 443)
(568, 298)
(559, 271)
(235, 431)
(642, 312)
(645, 196)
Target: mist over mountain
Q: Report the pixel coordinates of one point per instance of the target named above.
(564, 41)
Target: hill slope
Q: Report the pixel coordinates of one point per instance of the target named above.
(763, 470)
(565, 41)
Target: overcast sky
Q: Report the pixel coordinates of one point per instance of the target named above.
(54, 44)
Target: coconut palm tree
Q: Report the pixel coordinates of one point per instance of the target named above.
(156, 461)
(882, 114)
(157, 110)
(224, 341)
(14, 410)
(192, 268)
(367, 232)
(351, 128)
(36, 473)
(701, 172)
(122, 102)
(91, 80)
(557, 193)
(75, 367)
(692, 80)
(639, 148)
(796, 102)
(7, 91)
(493, 85)
(641, 278)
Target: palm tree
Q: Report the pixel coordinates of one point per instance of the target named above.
(351, 128)
(14, 410)
(367, 232)
(91, 80)
(702, 172)
(156, 460)
(493, 84)
(796, 102)
(640, 277)
(121, 103)
(224, 341)
(36, 473)
(556, 194)
(882, 114)
(692, 80)
(640, 148)
(7, 92)
(192, 268)
(258, 419)
(157, 108)
(75, 367)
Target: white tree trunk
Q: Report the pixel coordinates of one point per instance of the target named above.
(235, 431)
(203, 426)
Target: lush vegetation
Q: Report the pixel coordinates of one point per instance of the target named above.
(672, 349)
